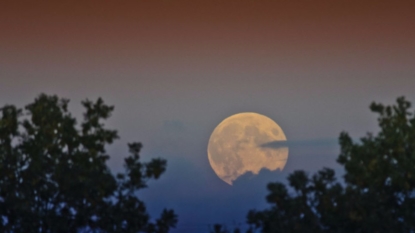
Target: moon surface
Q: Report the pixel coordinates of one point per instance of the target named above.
(235, 146)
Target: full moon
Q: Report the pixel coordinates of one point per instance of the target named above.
(235, 146)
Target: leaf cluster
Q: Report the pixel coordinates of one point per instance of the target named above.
(377, 194)
(54, 177)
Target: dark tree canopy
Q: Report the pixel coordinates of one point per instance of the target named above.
(54, 177)
(377, 194)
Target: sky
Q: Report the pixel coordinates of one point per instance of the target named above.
(175, 69)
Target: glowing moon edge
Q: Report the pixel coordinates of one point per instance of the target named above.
(235, 146)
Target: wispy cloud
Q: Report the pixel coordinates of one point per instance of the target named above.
(299, 143)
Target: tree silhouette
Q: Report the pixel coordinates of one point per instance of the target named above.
(377, 194)
(54, 177)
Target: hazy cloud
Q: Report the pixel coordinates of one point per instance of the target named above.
(173, 126)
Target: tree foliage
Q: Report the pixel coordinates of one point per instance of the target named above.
(377, 194)
(54, 177)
